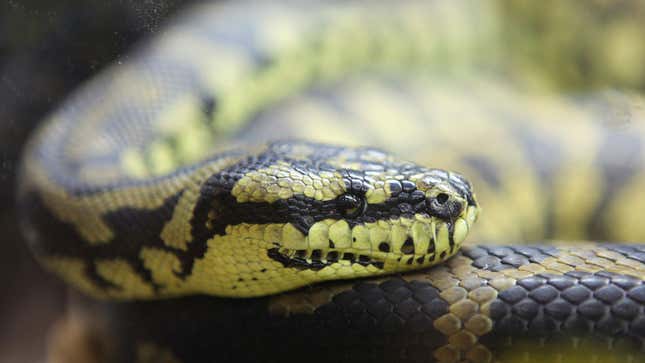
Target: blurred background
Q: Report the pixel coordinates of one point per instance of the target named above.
(47, 48)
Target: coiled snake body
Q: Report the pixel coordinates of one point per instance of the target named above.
(142, 190)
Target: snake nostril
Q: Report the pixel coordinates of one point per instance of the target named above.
(442, 198)
(444, 206)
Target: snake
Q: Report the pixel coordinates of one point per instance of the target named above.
(294, 181)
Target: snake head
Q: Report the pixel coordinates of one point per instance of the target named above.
(331, 212)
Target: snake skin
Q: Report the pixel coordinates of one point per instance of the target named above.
(530, 303)
(542, 167)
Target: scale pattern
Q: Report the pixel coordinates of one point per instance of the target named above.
(129, 195)
(569, 304)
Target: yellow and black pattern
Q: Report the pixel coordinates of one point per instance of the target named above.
(160, 178)
(491, 298)
(291, 215)
(150, 209)
(491, 303)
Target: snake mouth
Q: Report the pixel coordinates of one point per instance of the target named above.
(386, 245)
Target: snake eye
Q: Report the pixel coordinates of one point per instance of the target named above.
(351, 205)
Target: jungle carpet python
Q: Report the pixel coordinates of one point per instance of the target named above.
(155, 192)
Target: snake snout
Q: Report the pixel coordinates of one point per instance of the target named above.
(450, 196)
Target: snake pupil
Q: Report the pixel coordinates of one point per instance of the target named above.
(351, 205)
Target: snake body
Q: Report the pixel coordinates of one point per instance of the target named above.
(149, 184)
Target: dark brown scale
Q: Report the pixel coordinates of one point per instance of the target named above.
(408, 247)
(364, 260)
(384, 247)
(316, 254)
(349, 257)
(431, 246)
(332, 256)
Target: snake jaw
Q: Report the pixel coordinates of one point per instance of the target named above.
(374, 248)
(430, 240)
